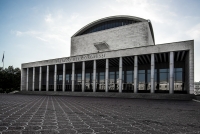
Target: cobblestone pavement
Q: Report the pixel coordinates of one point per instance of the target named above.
(70, 115)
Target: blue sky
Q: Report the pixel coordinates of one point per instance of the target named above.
(36, 30)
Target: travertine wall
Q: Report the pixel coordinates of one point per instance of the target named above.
(23, 79)
(129, 36)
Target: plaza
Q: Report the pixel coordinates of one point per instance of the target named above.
(86, 115)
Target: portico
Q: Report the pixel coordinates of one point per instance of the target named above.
(153, 72)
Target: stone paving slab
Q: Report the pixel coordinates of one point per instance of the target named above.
(37, 114)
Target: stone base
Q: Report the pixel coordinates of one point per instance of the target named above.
(157, 96)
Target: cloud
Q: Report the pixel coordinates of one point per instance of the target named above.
(42, 39)
(48, 18)
(18, 33)
(194, 32)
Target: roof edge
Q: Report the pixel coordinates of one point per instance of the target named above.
(106, 19)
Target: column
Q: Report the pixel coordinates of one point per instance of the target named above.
(120, 74)
(40, 79)
(23, 79)
(191, 69)
(33, 85)
(64, 75)
(83, 76)
(22, 83)
(94, 76)
(27, 75)
(73, 74)
(171, 73)
(152, 73)
(135, 73)
(107, 76)
(55, 77)
(47, 79)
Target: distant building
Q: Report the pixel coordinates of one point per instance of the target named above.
(197, 87)
(116, 54)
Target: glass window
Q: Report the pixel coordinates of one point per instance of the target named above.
(67, 78)
(178, 74)
(164, 70)
(102, 76)
(112, 77)
(117, 74)
(79, 77)
(129, 76)
(148, 76)
(60, 77)
(164, 76)
(87, 77)
(141, 76)
(107, 25)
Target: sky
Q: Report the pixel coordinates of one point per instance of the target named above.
(34, 30)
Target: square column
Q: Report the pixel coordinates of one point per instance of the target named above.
(27, 75)
(64, 75)
(55, 77)
(135, 73)
(120, 74)
(94, 76)
(152, 73)
(73, 74)
(33, 85)
(47, 79)
(40, 79)
(23, 79)
(21, 84)
(107, 70)
(83, 76)
(171, 73)
(191, 70)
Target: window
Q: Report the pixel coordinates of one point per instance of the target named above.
(141, 76)
(112, 77)
(79, 78)
(178, 78)
(67, 78)
(102, 77)
(164, 74)
(129, 76)
(107, 25)
(87, 77)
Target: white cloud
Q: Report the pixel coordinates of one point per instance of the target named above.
(18, 33)
(48, 18)
(194, 32)
(42, 39)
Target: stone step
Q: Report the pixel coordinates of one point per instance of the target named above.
(156, 96)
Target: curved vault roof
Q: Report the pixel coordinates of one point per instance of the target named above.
(106, 19)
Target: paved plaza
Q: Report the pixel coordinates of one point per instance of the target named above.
(70, 115)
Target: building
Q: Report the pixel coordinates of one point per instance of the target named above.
(197, 88)
(116, 54)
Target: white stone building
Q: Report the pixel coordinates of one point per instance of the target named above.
(116, 54)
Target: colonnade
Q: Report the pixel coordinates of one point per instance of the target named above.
(171, 75)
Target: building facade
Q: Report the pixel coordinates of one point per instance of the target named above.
(197, 88)
(116, 54)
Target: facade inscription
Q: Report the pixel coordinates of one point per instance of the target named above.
(66, 60)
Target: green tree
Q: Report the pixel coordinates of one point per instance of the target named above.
(10, 79)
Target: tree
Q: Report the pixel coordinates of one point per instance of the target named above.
(9, 79)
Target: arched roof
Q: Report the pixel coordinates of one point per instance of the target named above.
(107, 19)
